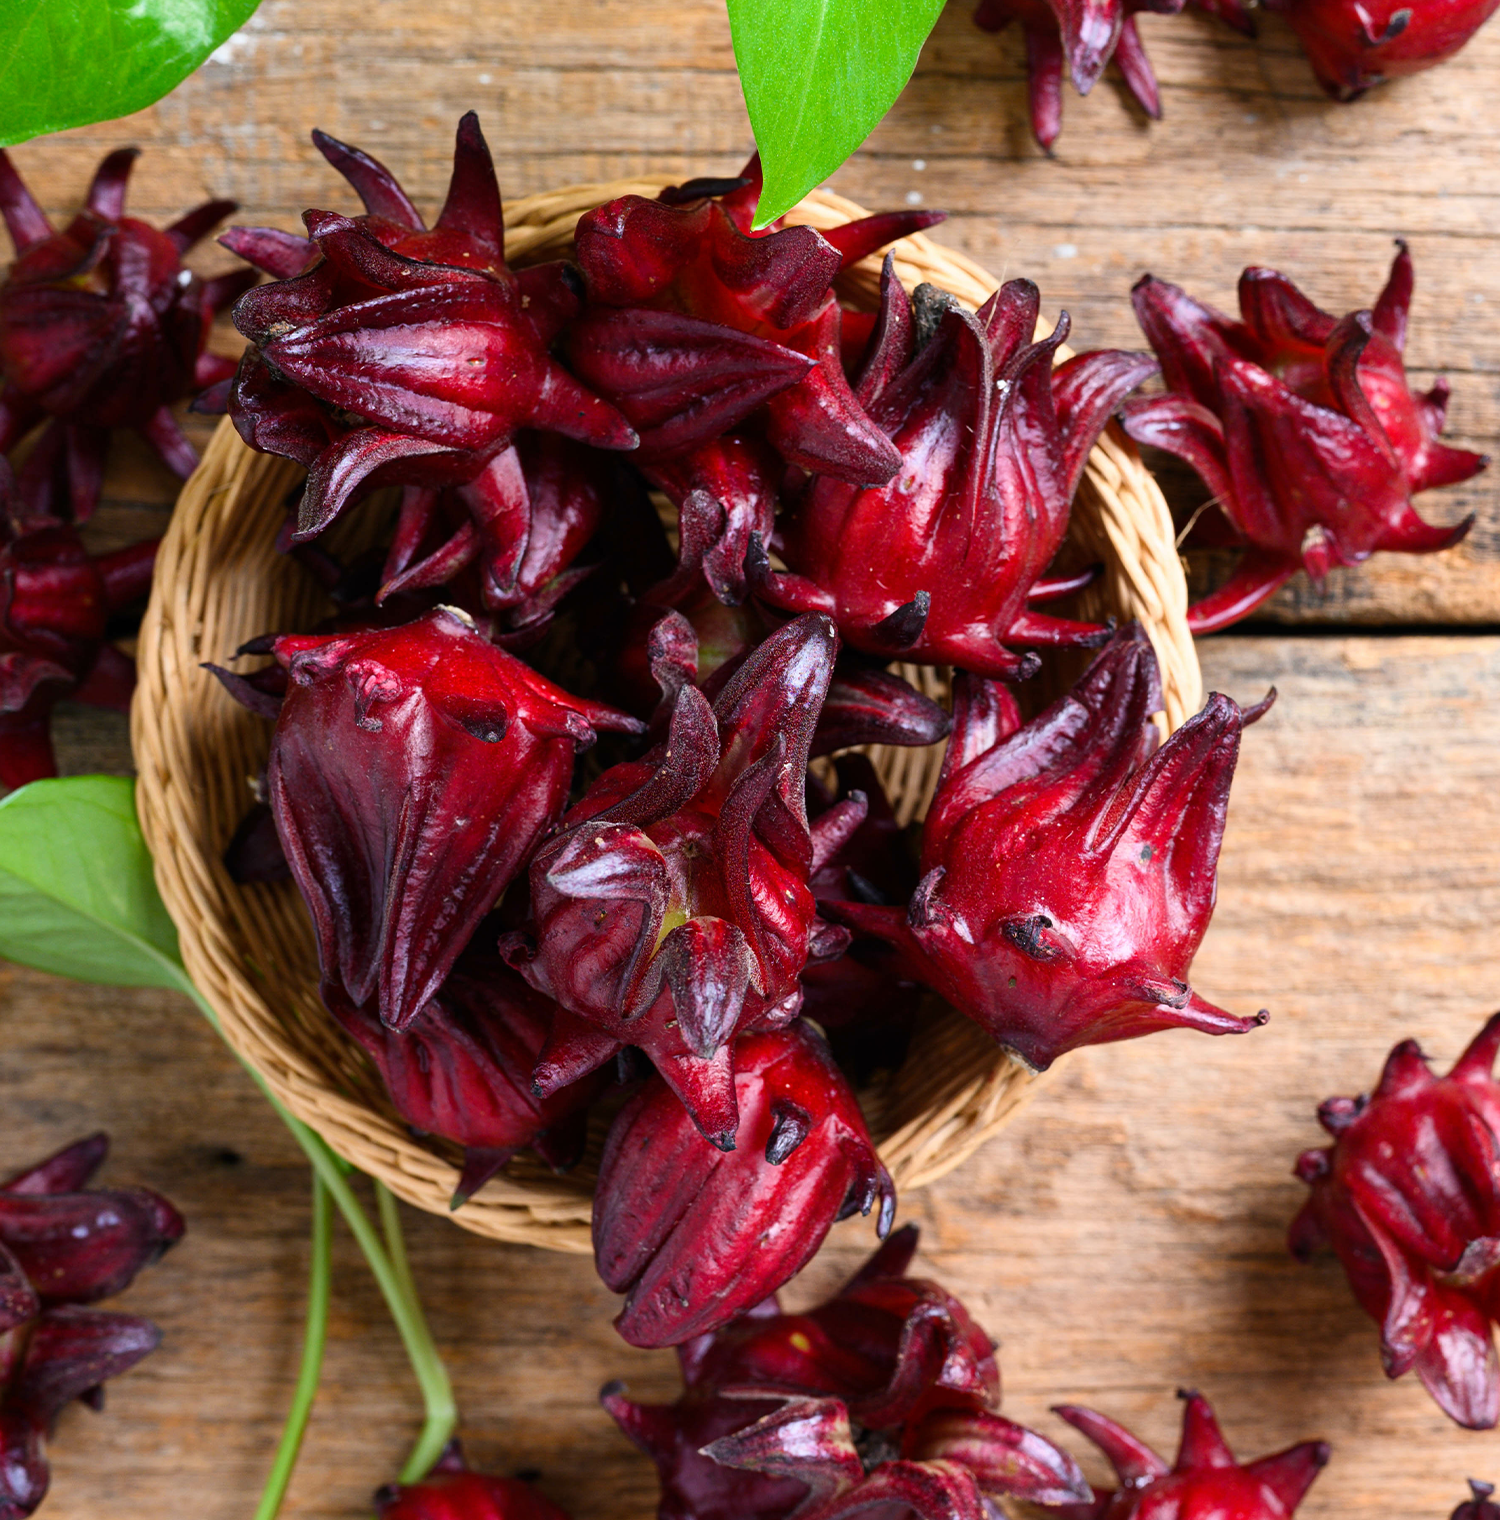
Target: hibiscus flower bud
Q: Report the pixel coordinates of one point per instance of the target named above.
(940, 564)
(1408, 1197)
(412, 772)
(55, 603)
(451, 1492)
(722, 347)
(1086, 35)
(1354, 46)
(385, 353)
(102, 327)
(1302, 425)
(672, 909)
(695, 1235)
(1205, 1483)
(462, 1070)
(1069, 872)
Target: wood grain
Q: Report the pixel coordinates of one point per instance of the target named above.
(1250, 165)
(1123, 1239)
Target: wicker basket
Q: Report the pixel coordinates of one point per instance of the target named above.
(219, 581)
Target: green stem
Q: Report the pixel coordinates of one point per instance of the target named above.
(315, 1337)
(400, 1299)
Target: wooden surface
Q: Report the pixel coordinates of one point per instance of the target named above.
(1126, 1236)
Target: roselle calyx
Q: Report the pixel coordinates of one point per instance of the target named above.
(385, 353)
(102, 327)
(1302, 425)
(723, 348)
(672, 908)
(412, 772)
(55, 603)
(1085, 35)
(462, 1071)
(1205, 1482)
(1069, 872)
(64, 1245)
(695, 1235)
(939, 565)
(1408, 1197)
(1354, 46)
(888, 1393)
(451, 1491)
(1479, 1505)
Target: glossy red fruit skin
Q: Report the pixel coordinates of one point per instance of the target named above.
(1069, 871)
(412, 771)
(1302, 425)
(102, 327)
(695, 1235)
(672, 908)
(64, 1245)
(55, 602)
(388, 354)
(1205, 1482)
(938, 565)
(775, 1403)
(1084, 35)
(1408, 1197)
(1354, 46)
(723, 347)
(462, 1071)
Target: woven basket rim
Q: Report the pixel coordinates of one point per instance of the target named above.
(192, 750)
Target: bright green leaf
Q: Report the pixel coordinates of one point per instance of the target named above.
(65, 63)
(77, 893)
(818, 75)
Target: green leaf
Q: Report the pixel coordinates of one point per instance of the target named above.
(65, 63)
(818, 75)
(77, 893)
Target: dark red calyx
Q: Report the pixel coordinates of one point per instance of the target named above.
(937, 565)
(1205, 1480)
(102, 327)
(462, 1071)
(451, 1492)
(695, 1235)
(1069, 871)
(1302, 425)
(411, 774)
(394, 355)
(672, 909)
(1407, 1196)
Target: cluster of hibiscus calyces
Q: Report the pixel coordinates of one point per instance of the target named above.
(498, 952)
(64, 1246)
(101, 328)
(886, 1398)
(1351, 45)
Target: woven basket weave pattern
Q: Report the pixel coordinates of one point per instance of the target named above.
(220, 581)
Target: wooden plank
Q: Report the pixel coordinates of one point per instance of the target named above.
(1124, 1238)
(1251, 165)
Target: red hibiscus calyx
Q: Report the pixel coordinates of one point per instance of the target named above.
(1069, 864)
(1407, 1197)
(452, 1491)
(412, 772)
(886, 1394)
(672, 909)
(64, 1245)
(1302, 425)
(1205, 1481)
(940, 564)
(102, 327)
(695, 1235)
(385, 353)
